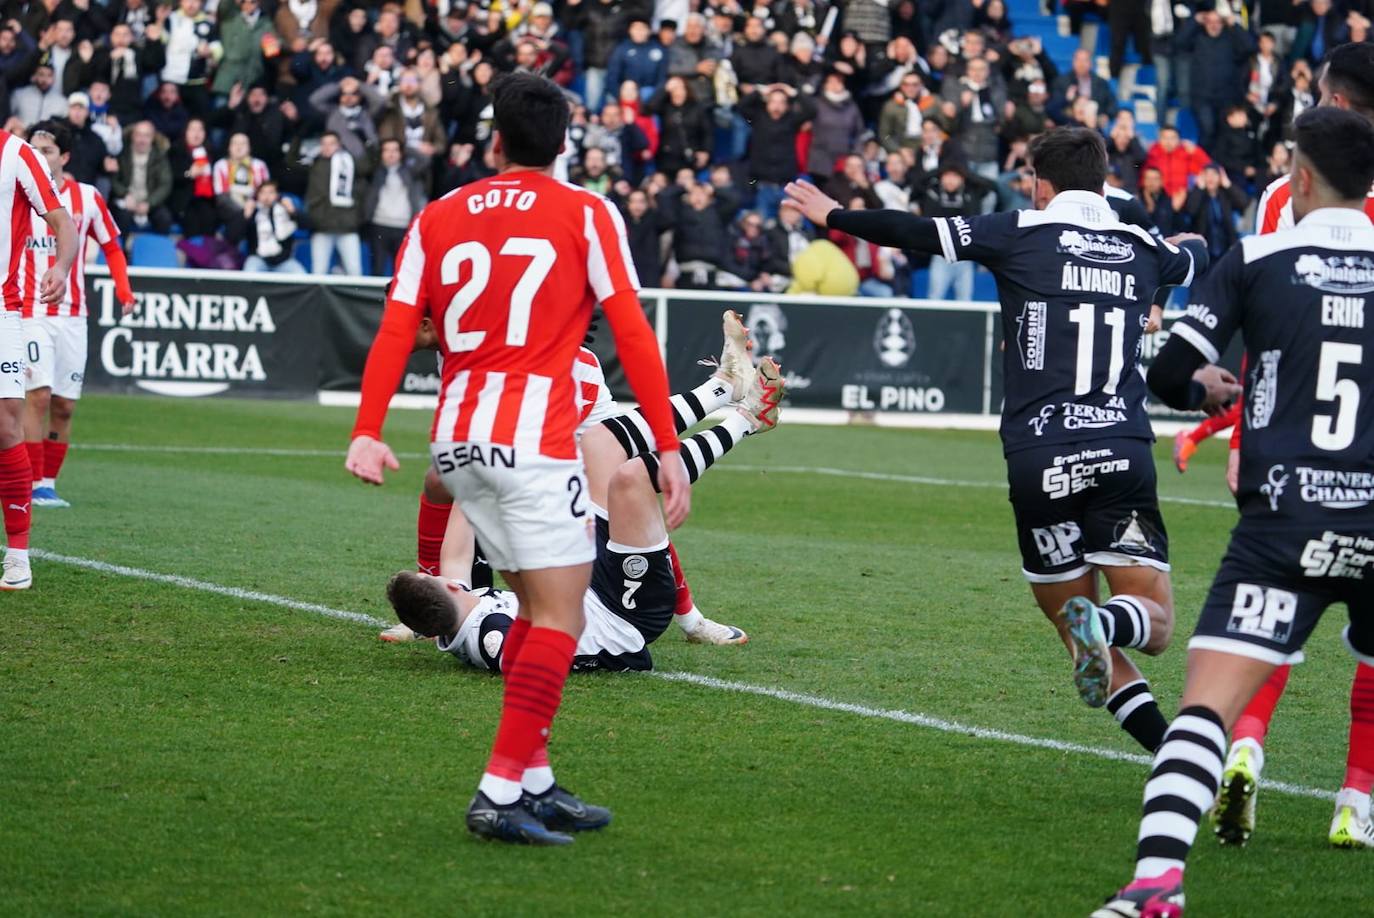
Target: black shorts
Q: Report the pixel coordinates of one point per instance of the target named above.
(1079, 506)
(634, 583)
(1274, 584)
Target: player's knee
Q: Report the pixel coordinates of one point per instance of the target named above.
(434, 488)
(630, 476)
(39, 400)
(61, 409)
(1161, 629)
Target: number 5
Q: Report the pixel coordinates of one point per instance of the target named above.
(1336, 433)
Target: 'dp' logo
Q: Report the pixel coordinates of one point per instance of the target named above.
(1263, 612)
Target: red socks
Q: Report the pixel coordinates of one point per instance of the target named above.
(534, 690)
(16, 493)
(1359, 761)
(1254, 722)
(430, 529)
(35, 450)
(515, 639)
(54, 452)
(684, 592)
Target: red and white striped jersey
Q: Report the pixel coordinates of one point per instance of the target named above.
(92, 218)
(1275, 211)
(509, 269)
(240, 178)
(25, 188)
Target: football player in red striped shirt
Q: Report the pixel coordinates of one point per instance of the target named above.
(1346, 81)
(26, 187)
(509, 268)
(55, 333)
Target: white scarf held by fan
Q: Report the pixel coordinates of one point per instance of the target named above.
(341, 179)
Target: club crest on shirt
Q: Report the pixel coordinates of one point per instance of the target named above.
(635, 566)
(1095, 247)
(1335, 273)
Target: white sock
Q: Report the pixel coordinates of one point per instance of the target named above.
(692, 407)
(1349, 796)
(690, 620)
(537, 780)
(501, 791)
(47, 483)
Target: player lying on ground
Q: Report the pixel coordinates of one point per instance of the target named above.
(730, 382)
(25, 184)
(633, 588)
(1305, 539)
(1346, 80)
(55, 334)
(1076, 287)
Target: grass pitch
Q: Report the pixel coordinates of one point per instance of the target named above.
(167, 751)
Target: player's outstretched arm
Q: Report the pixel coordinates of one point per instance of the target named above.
(1184, 381)
(893, 228)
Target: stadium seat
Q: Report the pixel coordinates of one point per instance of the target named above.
(984, 286)
(151, 250)
(1148, 132)
(1186, 124)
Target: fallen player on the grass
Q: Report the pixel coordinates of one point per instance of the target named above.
(734, 373)
(633, 590)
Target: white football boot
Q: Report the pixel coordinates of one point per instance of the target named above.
(705, 631)
(736, 365)
(761, 403)
(17, 575)
(1351, 826)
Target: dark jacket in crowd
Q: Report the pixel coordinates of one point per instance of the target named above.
(755, 62)
(773, 142)
(1219, 65)
(601, 23)
(684, 130)
(267, 131)
(324, 216)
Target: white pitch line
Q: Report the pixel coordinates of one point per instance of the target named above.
(730, 466)
(814, 701)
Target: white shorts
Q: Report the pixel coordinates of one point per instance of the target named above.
(56, 352)
(529, 512)
(12, 363)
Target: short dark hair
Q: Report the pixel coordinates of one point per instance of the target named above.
(1339, 145)
(60, 134)
(420, 602)
(1350, 72)
(1070, 159)
(531, 113)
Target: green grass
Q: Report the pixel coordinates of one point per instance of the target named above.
(165, 751)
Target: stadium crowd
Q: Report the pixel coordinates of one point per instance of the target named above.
(249, 126)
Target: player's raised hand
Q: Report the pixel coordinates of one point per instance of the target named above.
(53, 286)
(367, 458)
(1222, 388)
(815, 204)
(677, 490)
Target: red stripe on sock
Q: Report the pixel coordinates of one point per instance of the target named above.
(429, 540)
(35, 450)
(1359, 761)
(16, 494)
(684, 603)
(1254, 722)
(54, 453)
(534, 690)
(515, 639)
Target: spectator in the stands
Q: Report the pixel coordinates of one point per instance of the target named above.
(1276, 164)
(750, 249)
(685, 132)
(18, 53)
(143, 19)
(1218, 57)
(538, 35)
(950, 196)
(701, 243)
(991, 18)
(801, 68)
(1128, 19)
(625, 146)
(787, 238)
(461, 167)
(599, 22)
(755, 61)
(89, 152)
(874, 263)
(1124, 151)
(639, 58)
(382, 70)
(1080, 81)
(644, 228)
(1024, 64)
(894, 191)
(193, 188)
(1028, 115)
(123, 66)
(835, 128)
(416, 124)
(1158, 203)
(350, 107)
(241, 39)
(869, 20)
(333, 204)
(104, 122)
(167, 112)
(271, 237)
(851, 181)
(776, 114)
(394, 196)
(1177, 160)
(40, 100)
(237, 177)
(973, 104)
(593, 173)
(937, 149)
(694, 57)
(1297, 97)
(142, 185)
(1323, 26)
(192, 49)
(1211, 209)
(1268, 76)
(899, 123)
(311, 70)
(1237, 149)
(268, 126)
(385, 33)
(58, 47)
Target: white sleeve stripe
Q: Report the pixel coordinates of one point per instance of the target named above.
(410, 272)
(619, 223)
(598, 275)
(1192, 268)
(1196, 339)
(946, 240)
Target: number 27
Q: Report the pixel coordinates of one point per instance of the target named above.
(542, 256)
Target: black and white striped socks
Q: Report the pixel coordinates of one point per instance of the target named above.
(1134, 707)
(1182, 786)
(701, 451)
(632, 431)
(1125, 621)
